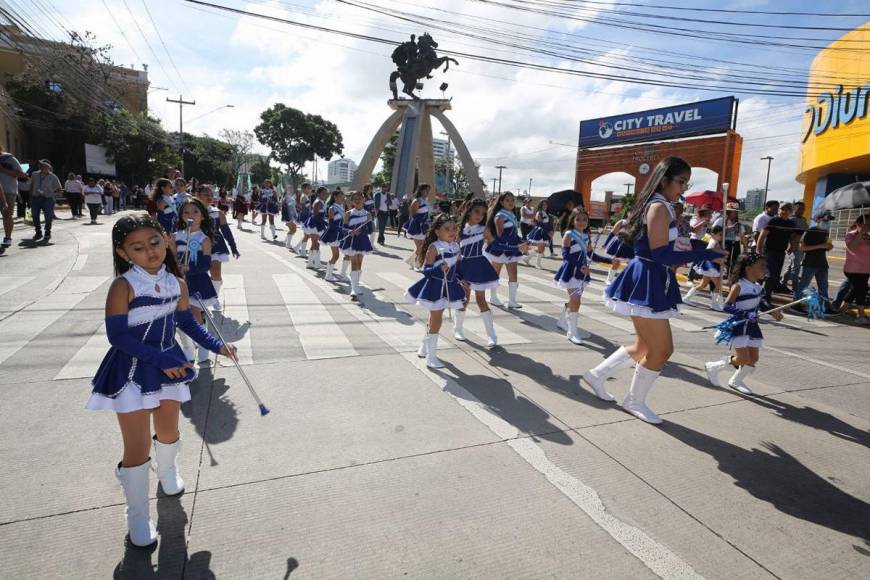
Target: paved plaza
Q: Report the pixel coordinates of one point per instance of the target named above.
(372, 466)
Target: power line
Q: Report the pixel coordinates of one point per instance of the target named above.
(166, 50)
(148, 44)
(123, 34)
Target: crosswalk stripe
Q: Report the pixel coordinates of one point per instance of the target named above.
(473, 321)
(236, 308)
(319, 334)
(80, 262)
(85, 362)
(587, 311)
(24, 326)
(9, 283)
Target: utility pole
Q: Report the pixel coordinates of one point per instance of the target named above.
(500, 168)
(493, 184)
(769, 160)
(530, 186)
(181, 102)
(449, 161)
(627, 188)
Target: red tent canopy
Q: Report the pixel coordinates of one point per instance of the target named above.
(711, 198)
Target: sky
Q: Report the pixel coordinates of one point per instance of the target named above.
(526, 120)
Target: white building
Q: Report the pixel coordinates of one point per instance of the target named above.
(440, 149)
(754, 199)
(340, 171)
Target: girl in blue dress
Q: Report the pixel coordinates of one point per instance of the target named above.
(355, 242)
(192, 247)
(542, 232)
(334, 230)
(373, 213)
(161, 195)
(418, 222)
(573, 274)
(710, 272)
(224, 241)
(439, 288)
(475, 272)
(647, 289)
(303, 212)
(742, 304)
(145, 375)
(288, 216)
(315, 226)
(616, 249)
(269, 207)
(506, 247)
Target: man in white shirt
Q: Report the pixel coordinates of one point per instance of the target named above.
(383, 201)
(43, 192)
(93, 198)
(10, 171)
(72, 189)
(771, 208)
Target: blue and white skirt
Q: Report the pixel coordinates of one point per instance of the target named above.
(269, 207)
(616, 248)
(708, 268)
(570, 276)
(540, 233)
(315, 225)
(432, 294)
(645, 289)
(200, 285)
(333, 234)
(360, 244)
(417, 226)
(478, 272)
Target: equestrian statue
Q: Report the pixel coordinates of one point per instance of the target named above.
(415, 60)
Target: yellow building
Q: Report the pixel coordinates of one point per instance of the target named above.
(836, 131)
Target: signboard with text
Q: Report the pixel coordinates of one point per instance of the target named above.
(701, 118)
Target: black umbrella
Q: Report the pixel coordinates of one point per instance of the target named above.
(847, 197)
(558, 201)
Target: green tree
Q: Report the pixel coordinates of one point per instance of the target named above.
(207, 159)
(137, 144)
(260, 170)
(388, 158)
(296, 138)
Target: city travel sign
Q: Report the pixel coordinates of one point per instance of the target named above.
(701, 118)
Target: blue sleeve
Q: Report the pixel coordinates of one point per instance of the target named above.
(119, 336)
(188, 324)
(599, 258)
(668, 256)
(227, 233)
(566, 254)
(202, 264)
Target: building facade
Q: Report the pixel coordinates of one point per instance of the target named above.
(754, 200)
(340, 171)
(836, 133)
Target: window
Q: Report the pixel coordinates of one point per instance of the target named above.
(54, 87)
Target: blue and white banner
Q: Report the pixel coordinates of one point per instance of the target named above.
(701, 118)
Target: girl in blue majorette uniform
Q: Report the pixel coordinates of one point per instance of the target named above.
(161, 195)
(334, 230)
(224, 241)
(647, 289)
(193, 251)
(144, 376)
(355, 243)
(573, 274)
(315, 225)
(745, 337)
(506, 247)
(418, 222)
(710, 272)
(475, 271)
(270, 207)
(303, 212)
(440, 287)
(616, 249)
(373, 212)
(542, 232)
(288, 216)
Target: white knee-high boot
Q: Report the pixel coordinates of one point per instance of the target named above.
(736, 380)
(424, 345)
(188, 347)
(597, 376)
(134, 482)
(512, 295)
(318, 265)
(288, 241)
(562, 321)
(489, 325)
(329, 277)
(432, 361)
(217, 288)
(493, 297)
(539, 260)
(458, 323)
(573, 331)
(714, 368)
(238, 223)
(354, 283)
(344, 265)
(690, 294)
(611, 274)
(167, 466)
(274, 233)
(635, 401)
(263, 230)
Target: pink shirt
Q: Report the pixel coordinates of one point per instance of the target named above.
(857, 261)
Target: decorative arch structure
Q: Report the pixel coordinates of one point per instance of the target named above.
(719, 153)
(415, 157)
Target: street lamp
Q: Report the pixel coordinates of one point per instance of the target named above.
(215, 110)
(769, 160)
(500, 168)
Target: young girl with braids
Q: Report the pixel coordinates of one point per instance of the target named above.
(506, 247)
(192, 247)
(616, 249)
(746, 338)
(647, 289)
(573, 275)
(224, 242)
(144, 376)
(356, 243)
(334, 229)
(439, 288)
(542, 232)
(418, 222)
(475, 272)
(315, 226)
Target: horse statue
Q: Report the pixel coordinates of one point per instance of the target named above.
(415, 60)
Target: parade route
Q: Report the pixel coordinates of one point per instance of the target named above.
(501, 465)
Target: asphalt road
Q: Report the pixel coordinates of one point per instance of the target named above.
(371, 466)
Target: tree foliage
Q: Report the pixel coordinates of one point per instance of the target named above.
(296, 138)
(260, 170)
(137, 144)
(207, 159)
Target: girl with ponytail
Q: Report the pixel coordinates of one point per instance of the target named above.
(506, 248)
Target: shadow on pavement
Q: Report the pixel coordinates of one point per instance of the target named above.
(231, 329)
(172, 559)
(814, 418)
(774, 476)
(499, 396)
(687, 374)
(385, 309)
(213, 415)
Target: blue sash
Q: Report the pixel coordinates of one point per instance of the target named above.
(508, 216)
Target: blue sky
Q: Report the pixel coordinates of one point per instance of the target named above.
(508, 116)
